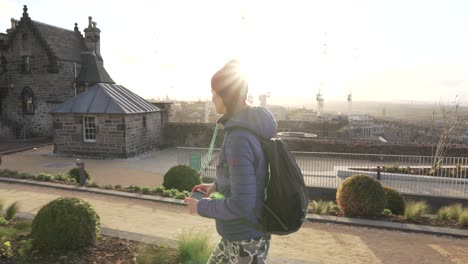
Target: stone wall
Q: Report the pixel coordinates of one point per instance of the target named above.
(199, 135)
(191, 134)
(110, 136)
(49, 89)
(139, 138)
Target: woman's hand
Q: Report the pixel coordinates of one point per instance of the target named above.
(207, 188)
(192, 205)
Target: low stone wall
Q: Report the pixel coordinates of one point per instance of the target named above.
(199, 135)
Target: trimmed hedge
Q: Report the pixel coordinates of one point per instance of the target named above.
(182, 178)
(361, 195)
(63, 224)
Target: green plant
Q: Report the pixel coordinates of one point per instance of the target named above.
(395, 201)
(333, 208)
(361, 195)
(320, 207)
(181, 177)
(11, 211)
(145, 190)
(26, 248)
(135, 188)
(62, 177)
(118, 187)
(153, 254)
(463, 220)
(91, 185)
(194, 247)
(65, 223)
(415, 209)
(75, 174)
(45, 177)
(167, 193)
(5, 249)
(25, 175)
(387, 212)
(3, 221)
(180, 195)
(442, 214)
(159, 189)
(174, 192)
(454, 211)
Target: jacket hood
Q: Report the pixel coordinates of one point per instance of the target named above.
(256, 119)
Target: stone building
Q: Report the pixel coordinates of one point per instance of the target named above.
(53, 83)
(39, 65)
(107, 120)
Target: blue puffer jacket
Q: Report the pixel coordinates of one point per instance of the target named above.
(240, 175)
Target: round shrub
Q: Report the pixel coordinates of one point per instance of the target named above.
(63, 224)
(361, 195)
(395, 201)
(181, 177)
(75, 174)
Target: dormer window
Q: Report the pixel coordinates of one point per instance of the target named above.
(26, 64)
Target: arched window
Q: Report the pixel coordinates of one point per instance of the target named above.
(28, 101)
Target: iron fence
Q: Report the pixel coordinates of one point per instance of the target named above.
(407, 174)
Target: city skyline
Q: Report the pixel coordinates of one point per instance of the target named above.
(382, 51)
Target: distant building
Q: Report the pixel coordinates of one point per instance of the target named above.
(278, 112)
(305, 115)
(363, 126)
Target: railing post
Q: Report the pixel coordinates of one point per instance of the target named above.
(378, 173)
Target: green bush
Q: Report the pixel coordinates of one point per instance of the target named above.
(320, 207)
(395, 201)
(62, 177)
(75, 174)
(65, 223)
(159, 189)
(387, 212)
(45, 177)
(145, 190)
(153, 254)
(135, 188)
(3, 221)
(194, 248)
(167, 193)
(25, 175)
(442, 214)
(361, 195)
(463, 220)
(415, 209)
(454, 211)
(118, 187)
(181, 177)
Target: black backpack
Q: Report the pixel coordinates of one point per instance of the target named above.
(286, 200)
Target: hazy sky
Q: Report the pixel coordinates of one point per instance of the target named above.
(381, 50)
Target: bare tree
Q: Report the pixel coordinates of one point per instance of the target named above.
(452, 119)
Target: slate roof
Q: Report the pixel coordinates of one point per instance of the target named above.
(65, 44)
(103, 98)
(92, 71)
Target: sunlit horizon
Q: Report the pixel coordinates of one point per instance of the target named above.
(380, 51)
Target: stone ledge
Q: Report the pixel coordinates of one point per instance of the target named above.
(425, 229)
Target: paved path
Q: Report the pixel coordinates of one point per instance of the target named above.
(315, 243)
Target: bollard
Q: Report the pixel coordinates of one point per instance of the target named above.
(80, 165)
(378, 173)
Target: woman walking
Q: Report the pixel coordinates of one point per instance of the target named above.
(240, 173)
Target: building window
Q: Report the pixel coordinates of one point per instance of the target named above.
(144, 121)
(89, 127)
(26, 64)
(27, 97)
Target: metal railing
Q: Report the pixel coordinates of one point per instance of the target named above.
(407, 174)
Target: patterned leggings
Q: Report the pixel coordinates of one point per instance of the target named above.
(251, 251)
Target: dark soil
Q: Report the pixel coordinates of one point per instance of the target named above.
(105, 250)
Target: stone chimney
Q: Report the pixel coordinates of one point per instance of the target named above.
(92, 38)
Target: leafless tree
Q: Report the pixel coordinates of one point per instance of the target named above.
(452, 120)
